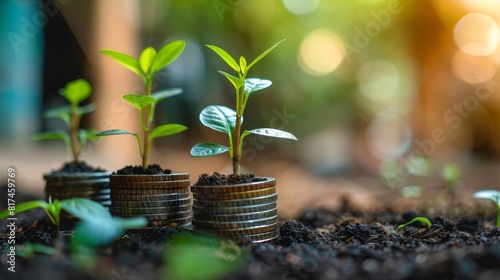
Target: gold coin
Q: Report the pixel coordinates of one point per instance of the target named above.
(150, 210)
(150, 185)
(256, 238)
(157, 217)
(204, 211)
(149, 177)
(151, 197)
(147, 204)
(268, 183)
(238, 232)
(149, 191)
(236, 217)
(235, 225)
(236, 202)
(237, 195)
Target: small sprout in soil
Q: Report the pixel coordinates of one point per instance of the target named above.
(451, 176)
(229, 121)
(491, 195)
(75, 92)
(147, 66)
(416, 219)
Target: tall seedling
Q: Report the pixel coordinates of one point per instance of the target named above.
(147, 66)
(229, 121)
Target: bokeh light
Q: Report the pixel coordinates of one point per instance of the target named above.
(321, 52)
(477, 34)
(301, 7)
(389, 135)
(473, 69)
(379, 83)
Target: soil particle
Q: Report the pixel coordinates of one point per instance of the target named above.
(294, 232)
(77, 167)
(218, 179)
(138, 170)
(468, 224)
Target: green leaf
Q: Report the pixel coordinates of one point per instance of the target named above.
(262, 55)
(225, 56)
(138, 100)
(243, 64)
(83, 110)
(160, 95)
(86, 135)
(100, 231)
(219, 118)
(237, 82)
(167, 130)
(76, 91)
(489, 194)
(255, 84)
(416, 219)
(53, 135)
(114, 132)
(218, 258)
(137, 222)
(451, 173)
(62, 112)
(146, 59)
(125, 60)
(23, 207)
(28, 251)
(85, 209)
(270, 132)
(166, 55)
(206, 149)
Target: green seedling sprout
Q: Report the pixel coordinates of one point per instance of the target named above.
(74, 92)
(96, 226)
(491, 195)
(451, 175)
(229, 121)
(147, 66)
(416, 219)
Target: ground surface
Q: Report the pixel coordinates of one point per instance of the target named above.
(320, 244)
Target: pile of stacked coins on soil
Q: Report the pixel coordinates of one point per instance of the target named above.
(240, 212)
(91, 185)
(164, 199)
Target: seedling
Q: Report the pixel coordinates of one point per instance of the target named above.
(491, 195)
(147, 66)
(74, 92)
(96, 226)
(229, 121)
(78, 207)
(416, 219)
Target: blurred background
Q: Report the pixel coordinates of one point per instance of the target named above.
(381, 93)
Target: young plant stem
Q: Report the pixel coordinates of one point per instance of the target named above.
(236, 145)
(146, 125)
(75, 123)
(237, 131)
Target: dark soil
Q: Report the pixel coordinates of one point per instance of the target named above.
(320, 244)
(218, 179)
(77, 167)
(138, 170)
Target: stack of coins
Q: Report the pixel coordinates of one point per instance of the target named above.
(90, 185)
(164, 199)
(239, 212)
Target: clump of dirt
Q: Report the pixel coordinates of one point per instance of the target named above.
(293, 231)
(77, 167)
(218, 179)
(138, 170)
